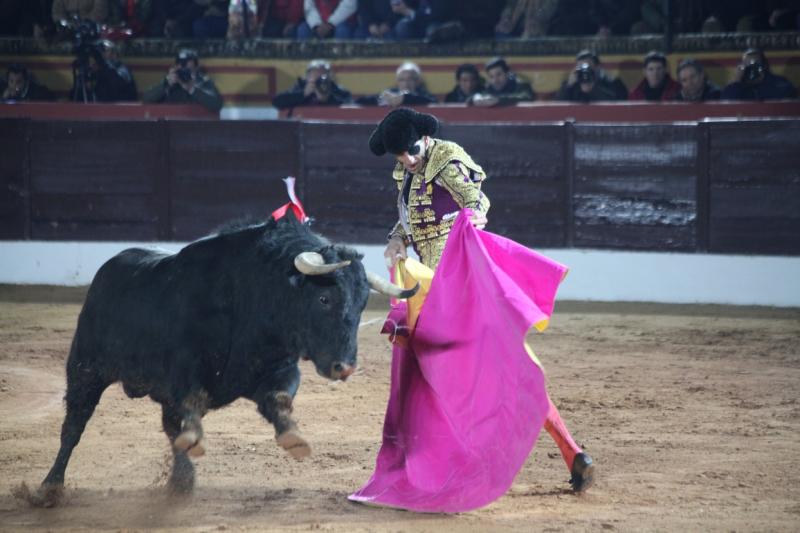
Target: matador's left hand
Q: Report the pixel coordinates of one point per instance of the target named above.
(478, 220)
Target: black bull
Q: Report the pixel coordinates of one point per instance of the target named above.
(226, 317)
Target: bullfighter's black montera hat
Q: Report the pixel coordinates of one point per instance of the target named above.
(400, 129)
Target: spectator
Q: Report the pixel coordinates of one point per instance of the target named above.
(94, 10)
(755, 81)
(468, 84)
(525, 18)
(589, 82)
(282, 18)
(657, 84)
(185, 83)
(410, 89)
(213, 20)
(328, 18)
(504, 88)
(180, 19)
(244, 19)
(104, 78)
(21, 87)
(595, 17)
(133, 14)
(694, 85)
(376, 20)
(317, 88)
(426, 19)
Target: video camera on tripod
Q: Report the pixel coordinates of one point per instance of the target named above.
(87, 38)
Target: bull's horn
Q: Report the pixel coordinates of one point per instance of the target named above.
(313, 264)
(385, 287)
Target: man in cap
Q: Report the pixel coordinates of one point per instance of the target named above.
(185, 83)
(436, 179)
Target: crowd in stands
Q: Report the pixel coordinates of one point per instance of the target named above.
(435, 20)
(104, 78)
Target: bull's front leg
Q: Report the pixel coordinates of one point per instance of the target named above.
(274, 398)
(191, 439)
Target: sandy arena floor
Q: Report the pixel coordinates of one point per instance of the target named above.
(692, 414)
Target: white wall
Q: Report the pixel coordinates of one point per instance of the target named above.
(594, 274)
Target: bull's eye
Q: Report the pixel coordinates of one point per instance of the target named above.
(324, 300)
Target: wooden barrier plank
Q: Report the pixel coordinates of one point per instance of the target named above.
(754, 187)
(94, 208)
(635, 186)
(93, 174)
(93, 231)
(221, 171)
(349, 190)
(526, 178)
(14, 192)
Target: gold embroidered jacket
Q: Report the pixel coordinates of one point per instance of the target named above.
(430, 199)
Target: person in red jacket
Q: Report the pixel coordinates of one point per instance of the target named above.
(657, 85)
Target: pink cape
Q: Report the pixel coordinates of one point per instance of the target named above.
(467, 400)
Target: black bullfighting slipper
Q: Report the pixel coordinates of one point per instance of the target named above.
(582, 473)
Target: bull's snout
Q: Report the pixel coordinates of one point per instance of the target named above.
(342, 371)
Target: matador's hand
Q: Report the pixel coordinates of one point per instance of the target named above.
(394, 252)
(479, 221)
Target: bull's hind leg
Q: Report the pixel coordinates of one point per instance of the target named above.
(190, 439)
(182, 478)
(84, 389)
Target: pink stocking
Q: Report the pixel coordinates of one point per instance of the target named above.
(556, 428)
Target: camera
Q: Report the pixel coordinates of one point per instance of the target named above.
(323, 83)
(184, 74)
(584, 73)
(753, 72)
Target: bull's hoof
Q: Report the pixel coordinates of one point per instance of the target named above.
(191, 443)
(47, 495)
(292, 442)
(582, 473)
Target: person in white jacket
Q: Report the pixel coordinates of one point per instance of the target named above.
(328, 19)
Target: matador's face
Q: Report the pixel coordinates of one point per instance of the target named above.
(414, 159)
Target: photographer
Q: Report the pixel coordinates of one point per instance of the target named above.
(20, 87)
(755, 81)
(185, 83)
(588, 82)
(317, 88)
(97, 73)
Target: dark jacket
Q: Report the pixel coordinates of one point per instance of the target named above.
(111, 82)
(710, 92)
(773, 87)
(205, 94)
(513, 91)
(377, 12)
(603, 90)
(669, 88)
(418, 97)
(457, 96)
(295, 96)
(32, 93)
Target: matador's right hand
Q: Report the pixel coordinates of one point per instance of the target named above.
(394, 252)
